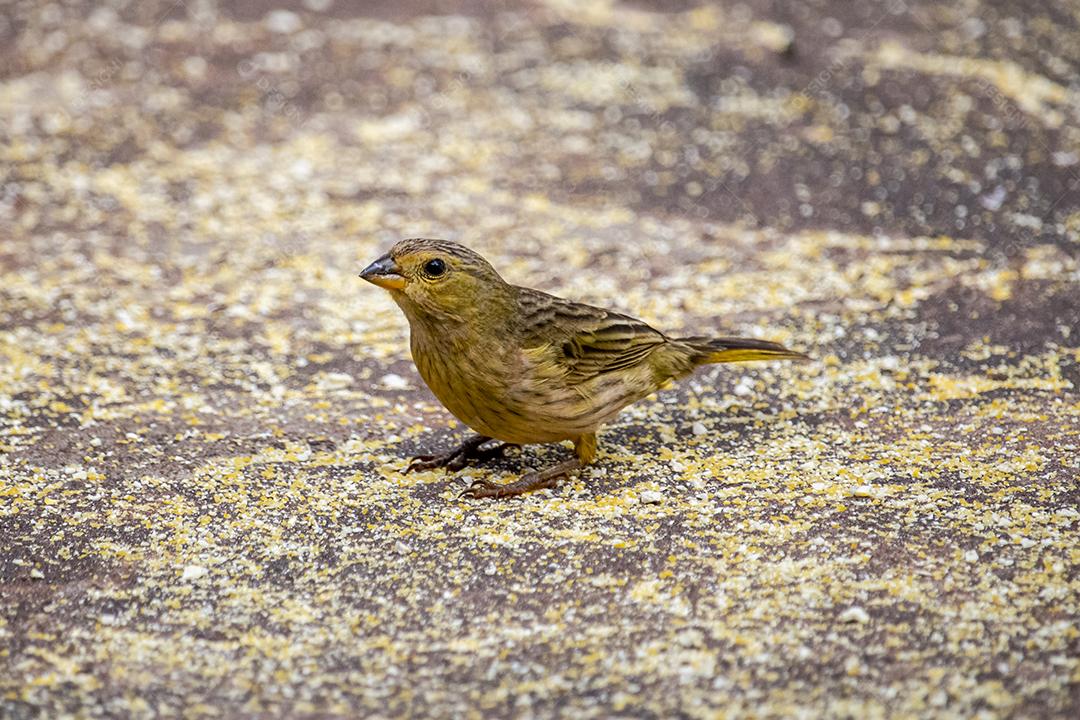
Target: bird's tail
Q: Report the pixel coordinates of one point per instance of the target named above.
(737, 349)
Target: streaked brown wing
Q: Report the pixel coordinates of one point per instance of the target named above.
(581, 340)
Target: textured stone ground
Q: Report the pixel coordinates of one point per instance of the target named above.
(204, 413)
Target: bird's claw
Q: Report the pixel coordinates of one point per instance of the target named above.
(481, 489)
(418, 462)
(454, 460)
(526, 483)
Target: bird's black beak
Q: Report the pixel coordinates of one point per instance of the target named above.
(385, 273)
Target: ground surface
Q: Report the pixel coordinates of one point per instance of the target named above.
(204, 413)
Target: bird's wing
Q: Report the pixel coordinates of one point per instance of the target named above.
(579, 342)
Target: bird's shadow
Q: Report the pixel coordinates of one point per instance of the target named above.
(515, 458)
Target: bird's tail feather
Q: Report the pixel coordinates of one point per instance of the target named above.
(737, 349)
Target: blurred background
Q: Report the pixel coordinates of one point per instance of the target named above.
(877, 115)
(178, 134)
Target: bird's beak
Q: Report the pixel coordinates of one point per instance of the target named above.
(385, 273)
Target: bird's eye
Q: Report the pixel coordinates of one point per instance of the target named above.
(434, 268)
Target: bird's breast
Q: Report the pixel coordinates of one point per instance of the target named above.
(474, 381)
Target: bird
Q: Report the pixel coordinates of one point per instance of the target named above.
(520, 366)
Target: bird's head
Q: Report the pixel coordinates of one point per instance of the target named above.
(436, 279)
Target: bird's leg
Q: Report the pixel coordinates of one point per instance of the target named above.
(458, 457)
(527, 483)
(584, 447)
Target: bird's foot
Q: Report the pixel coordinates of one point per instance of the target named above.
(460, 456)
(527, 483)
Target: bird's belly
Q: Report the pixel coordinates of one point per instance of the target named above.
(508, 407)
(493, 411)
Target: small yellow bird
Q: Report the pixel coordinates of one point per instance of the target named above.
(521, 366)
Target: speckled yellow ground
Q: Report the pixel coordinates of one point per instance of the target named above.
(204, 413)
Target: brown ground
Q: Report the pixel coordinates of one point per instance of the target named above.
(204, 413)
